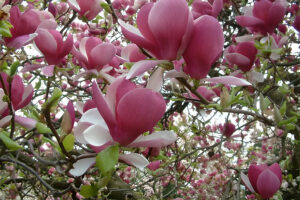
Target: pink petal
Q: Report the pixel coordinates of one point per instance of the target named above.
(132, 53)
(267, 184)
(31, 67)
(253, 172)
(97, 135)
(156, 139)
(142, 66)
(26, 98)
(275, 168)
(46, 42)
(66, 47)
(135, 36)
(48, 70)
(102, 54)
(204, 48)
(17, 90)
(246, 182)
(238, 59)
(174, 74)
(168, 21)
(230, 80)
(103, 107)
(116, 91)
(217, 7)
(5, 121)
(28, 123)
(156, 80)
(74, 5)
(137, 112)
(20, 41)
(248, 21)
(82, 165)
(48, 24)
(134, 159)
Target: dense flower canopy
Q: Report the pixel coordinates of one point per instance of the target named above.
(149, 99)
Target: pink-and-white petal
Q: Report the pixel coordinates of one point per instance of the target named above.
(48, 70)
(134, 159)
(5, 121)
(156, 80)
(156, 139)
(142, 66)
(230, 80)
(246, 181)
(26, 122)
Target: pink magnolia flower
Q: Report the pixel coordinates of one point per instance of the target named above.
(263, 17)
(50, 43)
(243, 55)
(200, 8)
(164, 28)
(93, 53)
(122, 116)
(20, 95)
(227, 129)
(154, 165)
(88, 9)
(25, 24)
(205, 47)
(263, 179)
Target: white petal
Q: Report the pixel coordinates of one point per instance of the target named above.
(78, 131)
(82, 47)
(80, 166)
(135, 159)
(97, 135)
(93, 116)
(156, 139)
(156, 80)
(79, 106)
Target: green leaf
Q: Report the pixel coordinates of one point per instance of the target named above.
(283, 108)
(288, 121)
(107, 159)
(68, 142)
(42, 128)
(284, 89)
(13, 68)
(88, 191)
(9, 143)
(277, 115)
(106, 7)
(4, 28)
(52, 102)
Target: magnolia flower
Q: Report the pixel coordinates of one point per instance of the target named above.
(200, 8)
(205, 47)
(4, 118)
(25, 24)
(51, 44)
(93, 53)
(263, 17)
(164, 28)
(68, 118)
(122, 116)
(227, 129)
(243, 55)
(88, 9)
(262, 179)
(20, 97)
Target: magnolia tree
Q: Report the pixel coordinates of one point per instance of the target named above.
(149, 99)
